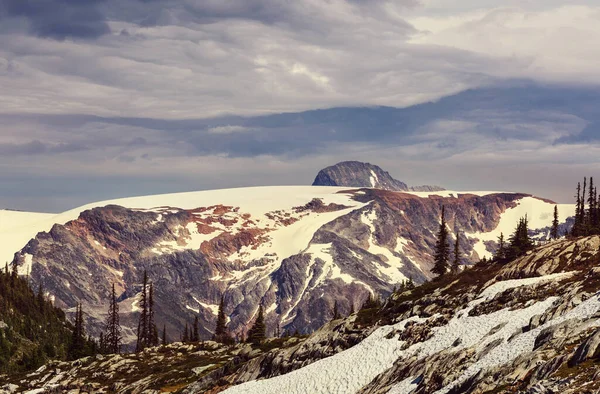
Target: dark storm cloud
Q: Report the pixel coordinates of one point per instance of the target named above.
(57, 19)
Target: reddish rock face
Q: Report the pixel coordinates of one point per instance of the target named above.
(194, 256)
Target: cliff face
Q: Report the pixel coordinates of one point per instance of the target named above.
(358, 174)
(296, 259)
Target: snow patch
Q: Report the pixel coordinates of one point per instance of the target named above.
(374, 179)
(25, 268)
(350, 370)
(390, 269)
(539, 214)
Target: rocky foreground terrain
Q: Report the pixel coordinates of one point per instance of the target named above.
(294, 250)
(527, 326)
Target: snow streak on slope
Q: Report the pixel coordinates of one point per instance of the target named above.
(391, 270)
(539, 213)
(350, 370)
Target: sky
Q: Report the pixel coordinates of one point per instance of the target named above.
(111, 98)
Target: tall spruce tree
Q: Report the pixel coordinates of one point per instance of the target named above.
(142, 332)
(577, 225)
(589, 217)
(442, 249)
(221, 335)
(186, 334)
(501, 251)
(583, 211)
(152, 334)
(113, 337)
(519, 241)
(195, 337)
(456, 261)
(258, 332)
(78, 341)
(336, 312)
(164, 335)
(554, 229)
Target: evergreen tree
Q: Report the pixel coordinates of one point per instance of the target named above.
(575, 231)
(593, 220)
(371, 302)
(456, 261)
(519, 242)
(143, 328)
(336, 312)
(78, 345)
(554, 230)
(221, 335)
(152, 334)
(186, 334)
(442, 249)
(41, 301)
(164, 335)
(501, 252)
(195, 337)
(258, 332)
(589, 219)
(102, 344)
(113, 337)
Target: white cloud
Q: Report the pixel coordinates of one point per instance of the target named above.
(227, 129)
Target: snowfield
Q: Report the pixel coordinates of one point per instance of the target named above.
(348, 371)
(17, 228)
(539, 213)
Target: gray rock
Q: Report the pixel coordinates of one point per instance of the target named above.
(588, 349)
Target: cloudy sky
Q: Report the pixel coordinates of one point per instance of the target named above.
(111, 98)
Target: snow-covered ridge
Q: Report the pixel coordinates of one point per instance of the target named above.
(17, 228)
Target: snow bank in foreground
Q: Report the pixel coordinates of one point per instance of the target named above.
(350, 370)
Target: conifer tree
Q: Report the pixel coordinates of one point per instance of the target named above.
(102, 344)
(78, 342)
(575, 231)
(143, 328)
(152, 334)
(442, 249)
(113, 337)
(186, 334)
(336, 312)
(519, 241)
(501, 252)
(582, 212)
(40, 298)
(164, 335)
(554, 230)
(258, 332)
(221, 335)
(456, 261)
(589, 219)
(195, 337)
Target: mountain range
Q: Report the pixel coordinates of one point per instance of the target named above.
(530, 325)
(294, 250)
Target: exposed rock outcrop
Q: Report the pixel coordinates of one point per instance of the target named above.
(358, 174)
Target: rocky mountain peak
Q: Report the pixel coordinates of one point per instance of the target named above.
(359, 174)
